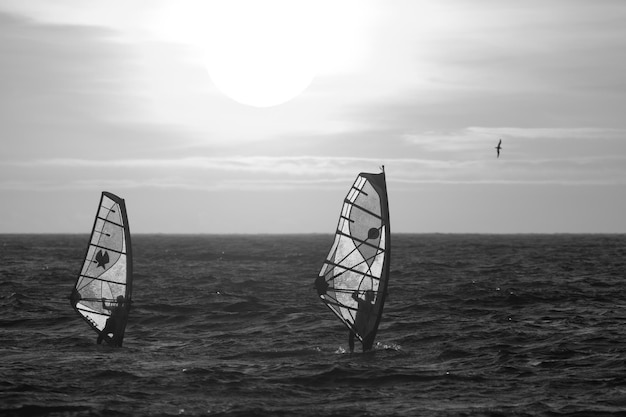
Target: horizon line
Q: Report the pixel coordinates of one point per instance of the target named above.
(313, 233)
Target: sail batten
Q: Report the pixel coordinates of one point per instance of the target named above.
(102, 293)
(347, 269)
(107, 248)
(359, 191)
(109, 221)
(101, 280)
(364, 209)
(353, 279)
(356, 239)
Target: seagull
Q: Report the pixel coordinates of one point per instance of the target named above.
(499, 147)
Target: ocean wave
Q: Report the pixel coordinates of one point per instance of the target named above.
(472, 326)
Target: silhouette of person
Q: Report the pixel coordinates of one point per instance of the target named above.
(115, 322)
(363, 316)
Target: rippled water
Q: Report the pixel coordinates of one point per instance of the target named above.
(475, 325)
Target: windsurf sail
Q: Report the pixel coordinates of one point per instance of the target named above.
(353, 280)
(103, 291)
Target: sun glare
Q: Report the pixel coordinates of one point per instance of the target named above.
(264, 53)
(260, 53)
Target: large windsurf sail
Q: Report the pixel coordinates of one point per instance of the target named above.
(353, 279)
(102, 293)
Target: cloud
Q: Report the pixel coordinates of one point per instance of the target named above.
(256, 163)
(588, 133)
(475, 136)
(305, 172)
(62, 86)
(52, 71)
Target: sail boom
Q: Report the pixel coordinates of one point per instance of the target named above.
(338, 304)
(91, 311)
(349, 290)
(108, 300)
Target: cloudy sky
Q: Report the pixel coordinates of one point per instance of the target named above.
(228, 117)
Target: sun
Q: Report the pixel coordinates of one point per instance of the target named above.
(261, 53)
(265, 53)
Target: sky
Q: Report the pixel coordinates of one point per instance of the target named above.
(255, 117)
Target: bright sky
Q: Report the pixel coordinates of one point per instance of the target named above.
(145, 99)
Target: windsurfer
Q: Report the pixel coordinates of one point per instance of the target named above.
(363, 315)
(115, 321)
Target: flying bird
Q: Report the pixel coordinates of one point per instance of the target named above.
(499, 147)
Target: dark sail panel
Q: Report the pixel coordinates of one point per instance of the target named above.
(104, 285)
(353, 279)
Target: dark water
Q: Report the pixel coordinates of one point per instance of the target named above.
(475, 325)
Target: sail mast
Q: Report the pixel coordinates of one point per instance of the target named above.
(382, 290)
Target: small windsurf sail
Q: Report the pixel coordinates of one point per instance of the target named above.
(353, 280)
(103, 290)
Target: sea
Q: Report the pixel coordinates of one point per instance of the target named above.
(231, 325)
